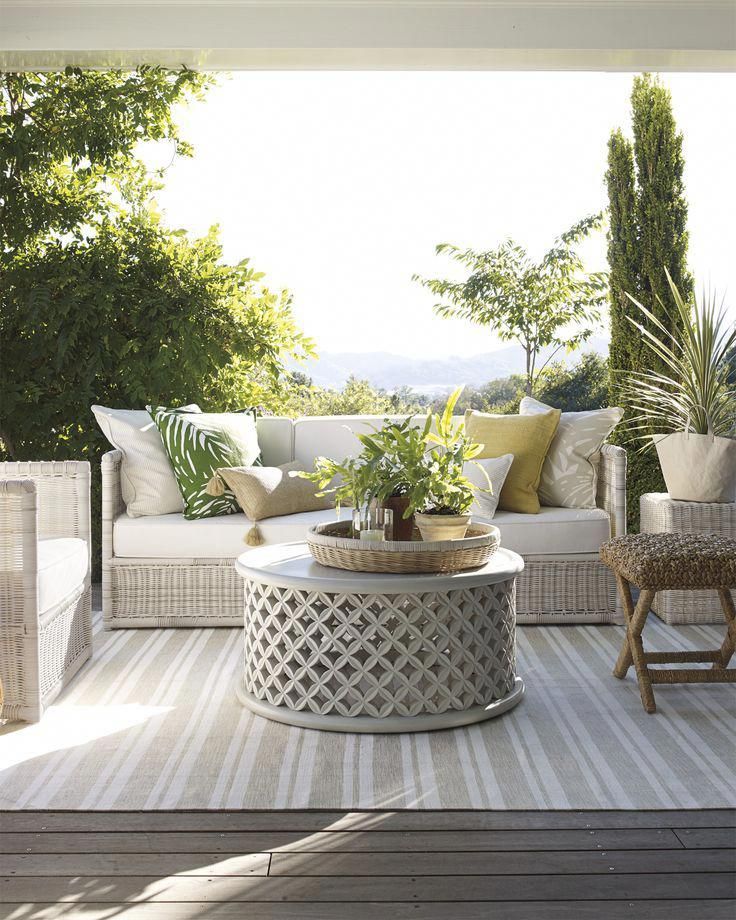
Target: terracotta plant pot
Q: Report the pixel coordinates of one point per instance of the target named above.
(442, 526)
(403, 527)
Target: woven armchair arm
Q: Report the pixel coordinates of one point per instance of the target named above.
(62, 489)
(18, 552)
(612, 486)
(112, 498)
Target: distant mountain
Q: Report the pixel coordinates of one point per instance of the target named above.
(425, 375)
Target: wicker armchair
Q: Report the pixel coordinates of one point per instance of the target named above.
(45, 596)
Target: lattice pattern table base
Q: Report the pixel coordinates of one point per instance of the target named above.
(380, 662)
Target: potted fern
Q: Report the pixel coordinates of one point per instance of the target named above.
(416, 471)
(688, 410)
(396, 452)
(441, 495)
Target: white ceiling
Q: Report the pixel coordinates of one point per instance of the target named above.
(372, 34)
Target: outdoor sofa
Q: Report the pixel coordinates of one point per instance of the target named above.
(163, 570)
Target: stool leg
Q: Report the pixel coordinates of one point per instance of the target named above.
(636, 648)
(625, 660)
(729, 613)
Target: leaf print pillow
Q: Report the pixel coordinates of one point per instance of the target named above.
(199, 444)
(570, 471)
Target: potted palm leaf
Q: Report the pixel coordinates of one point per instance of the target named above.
(688, 410)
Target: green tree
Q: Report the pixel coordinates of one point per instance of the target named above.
(578, 388)
(532, 303)
(99, 301)
(647, 235)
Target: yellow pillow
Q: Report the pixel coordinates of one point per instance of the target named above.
(529, 443)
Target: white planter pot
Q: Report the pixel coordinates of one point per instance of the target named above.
(434, 527)
(698, 467)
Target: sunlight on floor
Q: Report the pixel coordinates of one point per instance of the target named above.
(67, 727)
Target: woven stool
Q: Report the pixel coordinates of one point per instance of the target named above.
(666, 561)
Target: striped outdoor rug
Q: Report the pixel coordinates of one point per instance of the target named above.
(152, 722)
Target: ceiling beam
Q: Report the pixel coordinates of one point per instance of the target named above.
(683, 35)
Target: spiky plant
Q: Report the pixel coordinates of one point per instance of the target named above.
(692, 392)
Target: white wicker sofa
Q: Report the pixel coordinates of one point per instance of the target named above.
(165, 571)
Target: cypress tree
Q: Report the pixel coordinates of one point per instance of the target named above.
(648, 215)
(623, 256)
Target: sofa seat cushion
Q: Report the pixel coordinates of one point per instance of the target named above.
(171, 536)
(62, 568)
(554, 531)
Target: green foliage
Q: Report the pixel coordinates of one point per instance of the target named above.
(100, 301)
(647, 237)
(352, 481)
(571, 388)
(396, 453)
(694, 393)
(576, 389)
(135, 315)
(533, 303)
(357, 397)
(439, 485)
(68, 139)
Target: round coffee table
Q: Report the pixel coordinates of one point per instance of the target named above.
(355, 652)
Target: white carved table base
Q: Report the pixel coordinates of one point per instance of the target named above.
(350, 660)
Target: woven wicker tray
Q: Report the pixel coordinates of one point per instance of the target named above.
(333, 545)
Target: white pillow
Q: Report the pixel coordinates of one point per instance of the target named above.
(147, 480)
(570, 470)
(497, 469)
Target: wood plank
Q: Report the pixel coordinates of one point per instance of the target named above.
(707, 837)
(519, 863)
(357, 841)
(664, 909)
(316, 820)
(209, 889)
(94, 864)
(368, 864)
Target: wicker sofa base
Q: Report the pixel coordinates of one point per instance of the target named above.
(38, 668)
(579, 590)
(172, 593)
(209, 592)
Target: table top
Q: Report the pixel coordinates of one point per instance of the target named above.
(291, 565)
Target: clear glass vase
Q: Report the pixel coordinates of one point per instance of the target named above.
(373, 525)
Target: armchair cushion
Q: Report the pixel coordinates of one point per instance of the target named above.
(62, 568)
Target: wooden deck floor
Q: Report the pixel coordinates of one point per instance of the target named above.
(315, 865)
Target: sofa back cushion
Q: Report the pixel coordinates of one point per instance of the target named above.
(276, 439)
(336, 436)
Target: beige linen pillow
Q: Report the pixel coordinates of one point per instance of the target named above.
(270, 491)
(570, 471)
(147, 481)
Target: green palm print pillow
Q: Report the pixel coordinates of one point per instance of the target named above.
(199, 444)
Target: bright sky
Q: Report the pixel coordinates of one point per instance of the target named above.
(339, 185)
